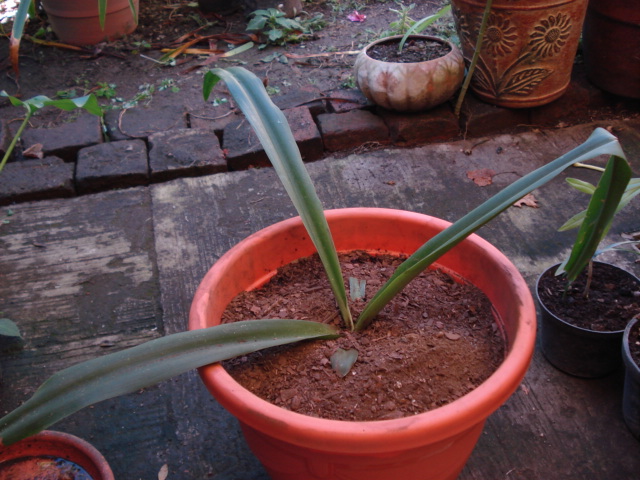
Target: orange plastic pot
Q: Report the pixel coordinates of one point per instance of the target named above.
(56, 445)
(77, 22)
(435, 444)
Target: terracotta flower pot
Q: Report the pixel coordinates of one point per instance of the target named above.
(631, 396)
(611, 42)
(57, 445)
(77, 22)
(528, 49)
(435, 444)
(409, 87)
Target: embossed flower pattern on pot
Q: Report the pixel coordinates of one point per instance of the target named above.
(550, 35)
(500, 36)
(513, 62)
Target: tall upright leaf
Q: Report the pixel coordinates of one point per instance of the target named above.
(272, 129)
(604, 204)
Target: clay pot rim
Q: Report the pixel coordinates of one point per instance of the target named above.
(452, 48)
(570, 326)
(381, 435)
(63, 445)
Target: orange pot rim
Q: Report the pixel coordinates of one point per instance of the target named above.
(371, 436)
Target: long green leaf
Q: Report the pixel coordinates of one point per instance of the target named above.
(272, 129)
(600, 142)
(138, 367)
(102, 12)
(603, 206)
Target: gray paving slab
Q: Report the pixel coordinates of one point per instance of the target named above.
(551, 416)
(88, 275)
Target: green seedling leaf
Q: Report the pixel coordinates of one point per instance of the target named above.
(603, 206)
(272, 129)
(581, 185)
(130, 370)
(600, 142)
(632, 190)
(420, 25)
(88, 102)
(342, 361)
(357, 288)
(8, 328)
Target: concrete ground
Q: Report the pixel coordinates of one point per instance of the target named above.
(90, 274)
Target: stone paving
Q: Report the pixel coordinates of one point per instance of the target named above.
(141, 145)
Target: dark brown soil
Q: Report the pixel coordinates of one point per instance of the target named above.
(435, 342)
(634, 343)
(321, 62)
(414, 51)
(613, 299)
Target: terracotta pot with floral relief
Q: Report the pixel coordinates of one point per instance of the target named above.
(528, 49)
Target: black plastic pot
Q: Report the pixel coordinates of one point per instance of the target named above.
(631, 396)
(574, 350)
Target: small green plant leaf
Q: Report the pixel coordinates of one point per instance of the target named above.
(342, 361)
(420, 25)
(600, 142)
(138, 367)
(581, 185)
(603, 206)
(357, 288)
(8, 328)
(272, 129)
(632, 190)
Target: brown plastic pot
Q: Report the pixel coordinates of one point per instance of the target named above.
(435, 444)
(57, 445)
(611, 42)
(409, 87)
(77, 22)
(528, 48)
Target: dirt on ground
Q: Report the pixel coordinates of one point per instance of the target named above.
(435, 341)
(127, 73)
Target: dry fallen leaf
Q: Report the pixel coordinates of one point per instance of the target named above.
(481, 177)
(527, 201)
(34, 151)
(164, 472)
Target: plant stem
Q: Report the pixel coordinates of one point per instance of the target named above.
(474, 59)
(587, 287)
(591, 167)
(15, 140)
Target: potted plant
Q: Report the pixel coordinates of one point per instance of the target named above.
(409, 72)
(78, 22)
(526, 48)
(50, 454)
(631, 395)
(159, 359)
(585, 305)
(610, 45)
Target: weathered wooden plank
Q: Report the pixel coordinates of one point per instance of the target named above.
(78, 276)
